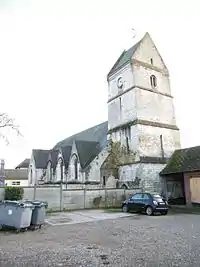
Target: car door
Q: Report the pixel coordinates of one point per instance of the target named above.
(145, 201)
(134, 202)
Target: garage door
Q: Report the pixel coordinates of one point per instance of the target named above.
(195, 189)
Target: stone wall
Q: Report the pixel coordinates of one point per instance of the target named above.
(148, 173)
(76, 199)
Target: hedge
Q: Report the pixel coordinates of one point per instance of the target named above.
(14, 193)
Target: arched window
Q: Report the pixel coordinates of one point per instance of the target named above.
(59, 170)
(75, 166)
(31, 180)
(50, 171)
(153, 81)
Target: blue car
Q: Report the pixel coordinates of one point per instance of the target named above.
(146, 202)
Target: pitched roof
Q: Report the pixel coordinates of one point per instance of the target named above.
(16, 174)
(66, 152)
(41, 157)
(183, 160)
(124, 58)
(87, 151)
(97, 133)
(23, 164)
(53, 154)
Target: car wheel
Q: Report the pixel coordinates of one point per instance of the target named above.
(165, 212)
(149, 211)
(125, 208)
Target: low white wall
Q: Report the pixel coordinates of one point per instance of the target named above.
(1, 193)
(76, 199)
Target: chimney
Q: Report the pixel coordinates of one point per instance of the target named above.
(2, 174)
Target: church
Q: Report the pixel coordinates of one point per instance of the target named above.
(136, 142)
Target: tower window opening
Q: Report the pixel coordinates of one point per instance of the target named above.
(153, 81)
(128, 138)
(151, 61)
(104, 180)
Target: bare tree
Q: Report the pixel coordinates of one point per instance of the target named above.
(7, 122)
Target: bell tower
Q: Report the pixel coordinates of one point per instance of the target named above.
(140, 109)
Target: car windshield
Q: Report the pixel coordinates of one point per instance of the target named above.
(158, 198)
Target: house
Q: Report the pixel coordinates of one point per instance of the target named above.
(182, 175)
(16, 177)
(24, 164)
(138, 139)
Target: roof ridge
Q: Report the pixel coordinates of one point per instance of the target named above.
(116, 62)
(186, 148)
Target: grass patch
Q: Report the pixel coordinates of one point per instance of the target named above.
(184, 210)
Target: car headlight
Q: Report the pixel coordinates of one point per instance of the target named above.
(155, 202)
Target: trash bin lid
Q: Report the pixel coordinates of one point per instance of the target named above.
(36, 203)
(14, 203)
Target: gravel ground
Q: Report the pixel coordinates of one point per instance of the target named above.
(138, 240)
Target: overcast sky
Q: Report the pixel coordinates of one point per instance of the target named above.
(55, 55)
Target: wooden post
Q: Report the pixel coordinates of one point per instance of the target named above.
(61, 197)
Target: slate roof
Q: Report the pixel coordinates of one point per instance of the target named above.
(66, 152)
(41, 157)
(53, 155)
(23, 164)
(16, 174)
(183, 160)
(89, 143)
(87, 151)
(124, 58)
(97, 133)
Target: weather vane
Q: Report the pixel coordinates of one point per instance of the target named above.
(133, 33)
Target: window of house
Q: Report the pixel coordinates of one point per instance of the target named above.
(75, 166)
(31, 180)
(16, 183)
(151, 61)
(153, 81)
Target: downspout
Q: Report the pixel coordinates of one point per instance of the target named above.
(161, 147)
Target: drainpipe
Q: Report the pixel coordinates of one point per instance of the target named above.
(161, 146)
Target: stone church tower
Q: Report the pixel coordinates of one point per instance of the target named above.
(141, 114)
